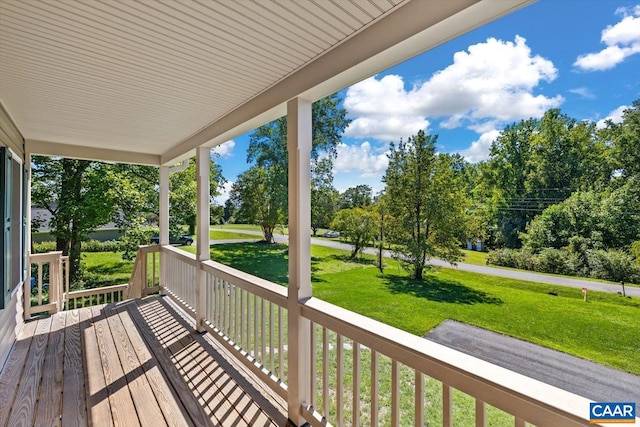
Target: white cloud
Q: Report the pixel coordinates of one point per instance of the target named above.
(583, 92)
(615, 116)
(225, 149)
(224, 193)
(480, 149)
(622, 40)
(490, 82)
(360, 158)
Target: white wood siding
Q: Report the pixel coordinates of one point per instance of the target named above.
(11, 316)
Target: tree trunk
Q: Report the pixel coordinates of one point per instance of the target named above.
(268, 234)
(62, 244)
(75, 251)
(417, 273)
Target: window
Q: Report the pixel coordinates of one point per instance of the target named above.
(12, 216)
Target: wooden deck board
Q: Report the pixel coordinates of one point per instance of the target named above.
(50, 395)
(98, 406)
(122, 410)
(197, 414)
(13, 369)
(174, 412)
(142, 396)
(139, 362)
(26, 398)
(74, 407)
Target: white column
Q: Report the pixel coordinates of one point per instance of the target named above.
(164, 205)
(26, 289)
(299, 148)
(203, 159)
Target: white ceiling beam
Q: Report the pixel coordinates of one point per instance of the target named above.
(406, 32)
(47, 148)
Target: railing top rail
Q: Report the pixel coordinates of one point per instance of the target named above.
(45, 257)
(97, 291)
(532, 400)
(149, 248)
(261, 287)
(184, 256)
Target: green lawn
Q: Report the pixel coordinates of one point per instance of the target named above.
(229, 235)
(604, 329)
(474, 257)
(106, 268)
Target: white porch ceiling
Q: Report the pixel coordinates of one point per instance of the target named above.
(149, 81)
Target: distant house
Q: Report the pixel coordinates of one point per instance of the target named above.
(42, 218)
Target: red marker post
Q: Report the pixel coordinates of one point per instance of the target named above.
(584, 294)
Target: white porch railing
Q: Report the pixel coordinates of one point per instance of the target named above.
(363, 372)
(49, 279)
(47, 290)
(246, 314)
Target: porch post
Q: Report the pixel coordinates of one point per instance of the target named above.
(163, 221)
(26, 288)
(203, 159)
(299, 148)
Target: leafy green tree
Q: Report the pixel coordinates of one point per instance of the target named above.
(625, 137)
(359, 196)
(80, 195)
(537, 163)
(268, 150)
(253, 196)
(183, 196)
(428, 203)
(324, 198)
(605, 219)
(358, 226)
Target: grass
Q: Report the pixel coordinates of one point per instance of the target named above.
(604, 329)
(106, 268)
(474, 257)
(229, 235)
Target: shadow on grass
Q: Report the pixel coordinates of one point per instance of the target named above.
(121, 267)
(438, 290)
(356, 260)
(268, 261)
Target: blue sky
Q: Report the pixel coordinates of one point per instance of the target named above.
(582, 56)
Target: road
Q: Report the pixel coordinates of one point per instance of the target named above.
(480, 269)
(582, 377)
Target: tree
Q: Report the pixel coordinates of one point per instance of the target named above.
(356, 197)
(183, 196)
(80, 195)
(324, 198)
(537, 163)
(268, 150)
(253, 195)
(428, 203)
(358, 226)
(607, 219)
(381, 208)
(626, 140)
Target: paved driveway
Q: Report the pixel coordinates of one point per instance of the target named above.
(579, 376)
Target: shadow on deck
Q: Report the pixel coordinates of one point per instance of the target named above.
(138, 362)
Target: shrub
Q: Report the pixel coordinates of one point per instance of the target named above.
(613, 265)
(557, 261)
(505, 258)
(43, 247)
(526, 260)
(97, 246)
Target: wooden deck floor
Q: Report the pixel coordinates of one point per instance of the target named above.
(139, 363)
